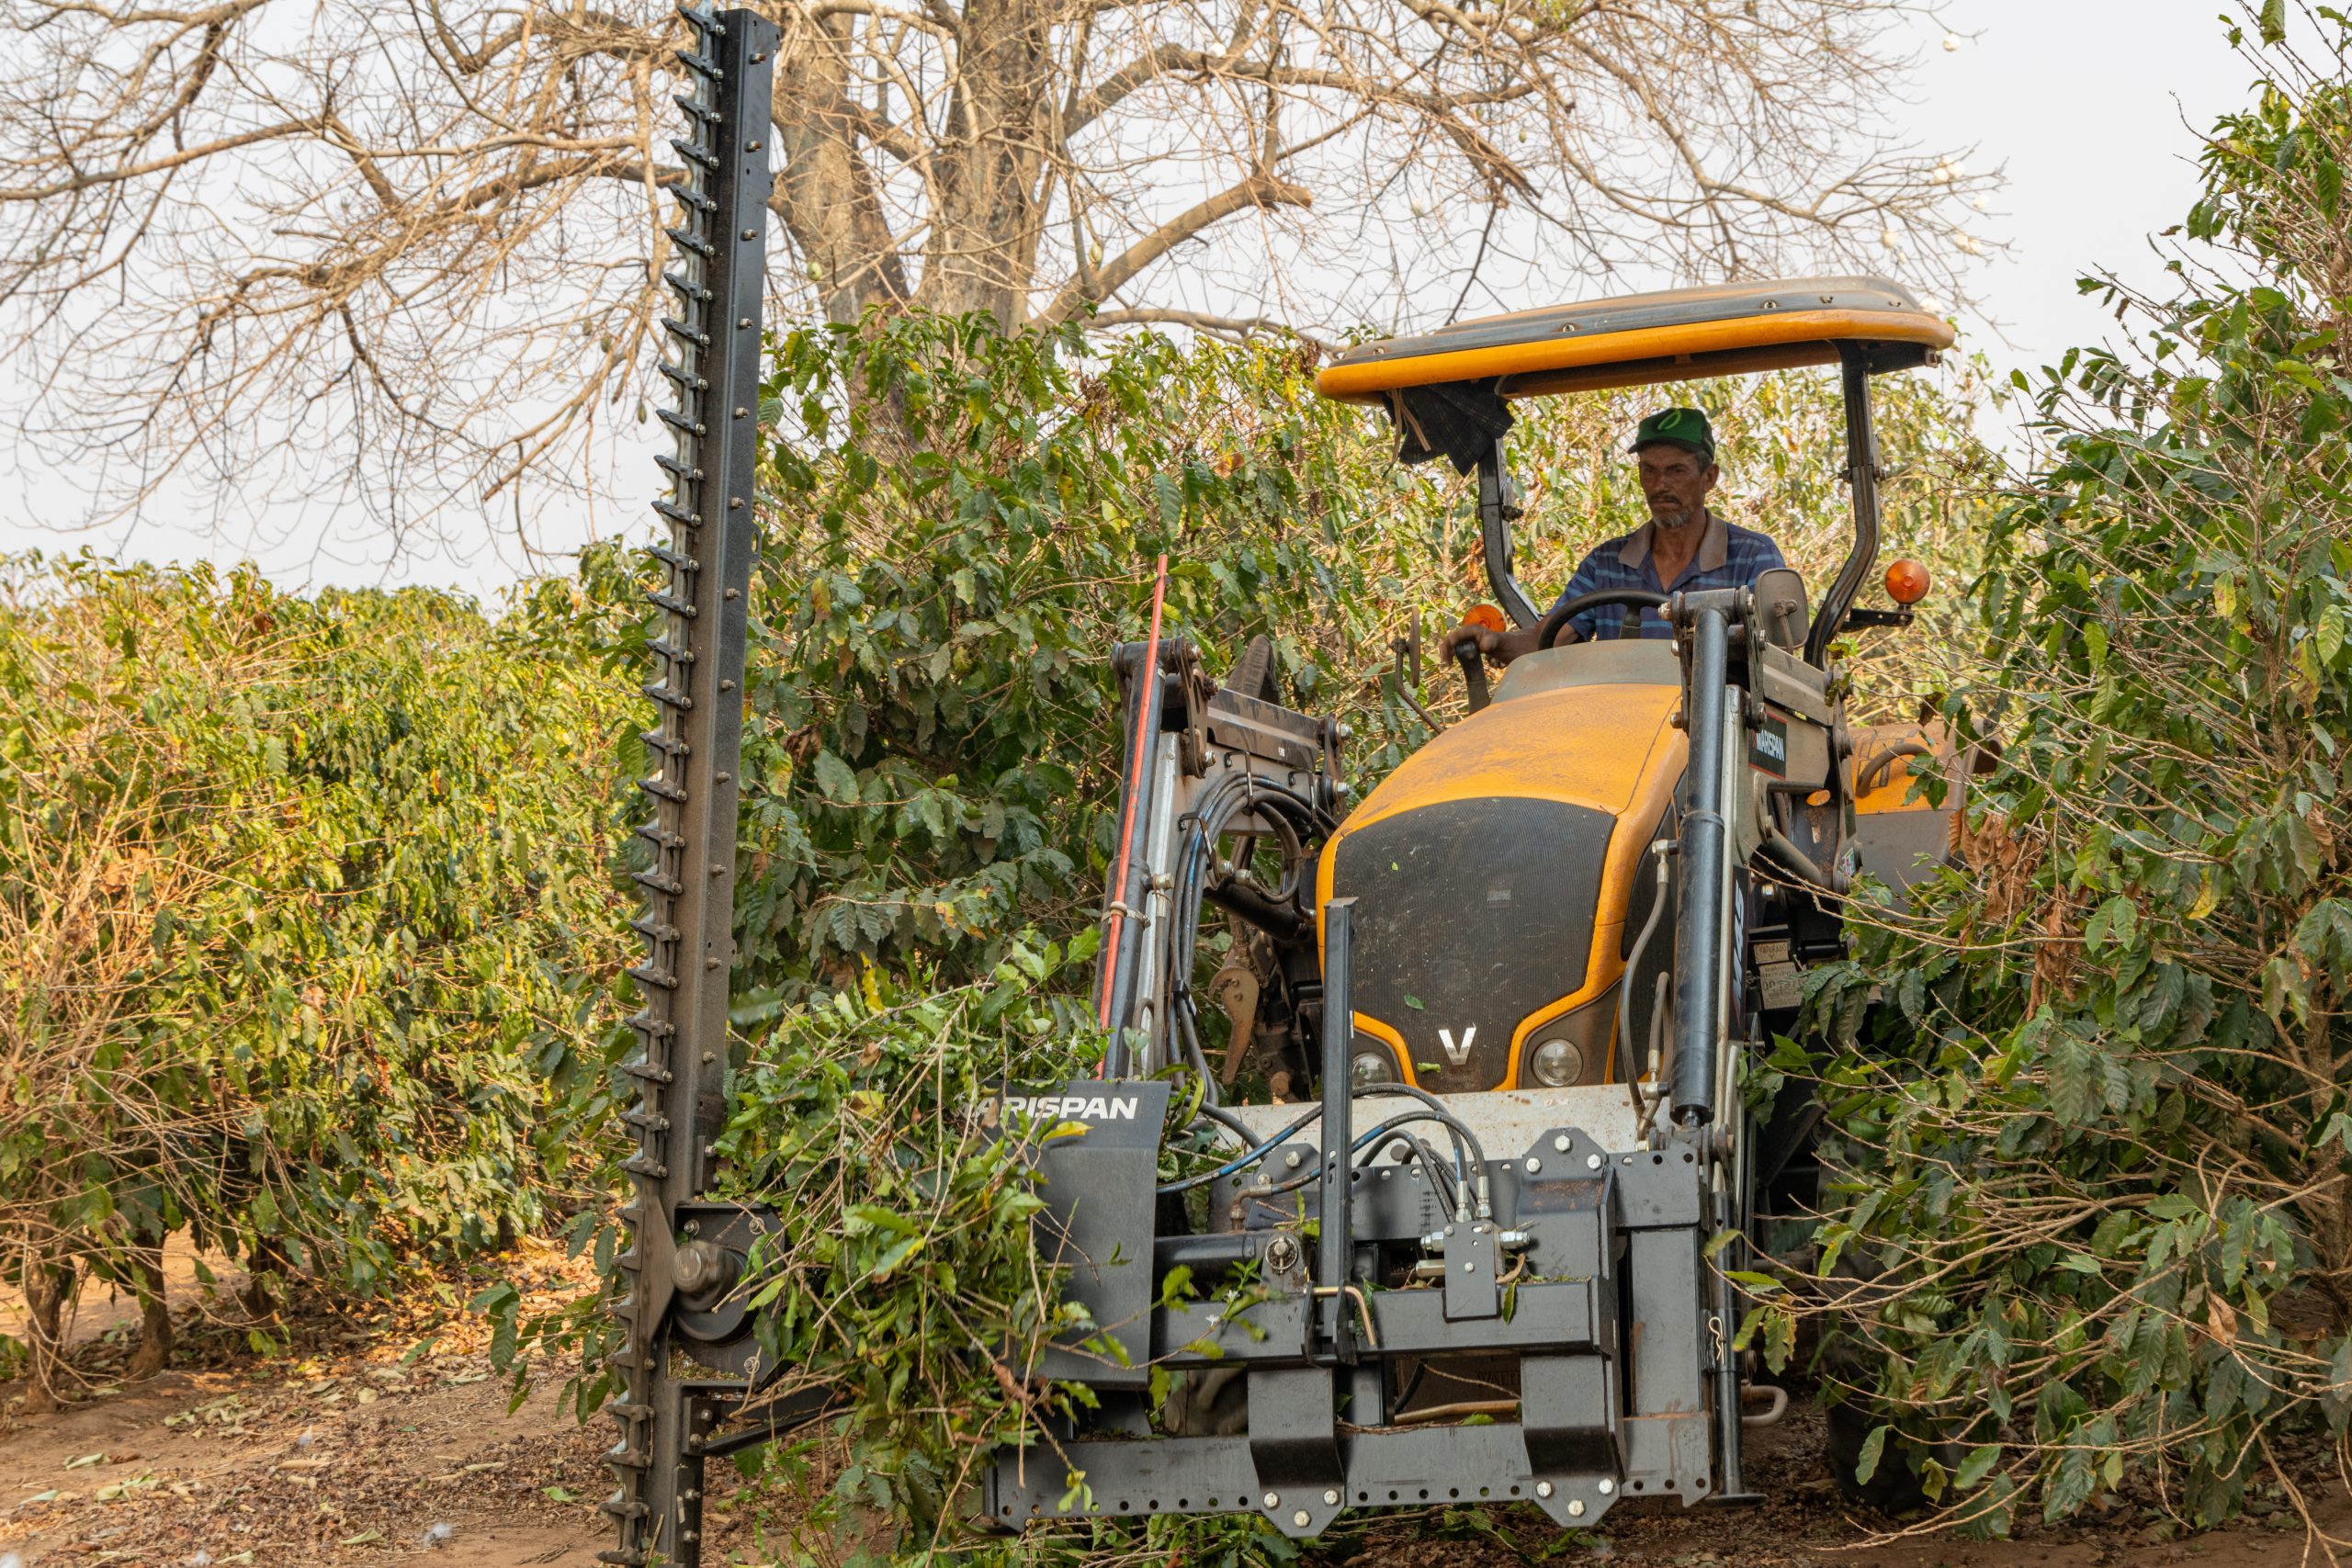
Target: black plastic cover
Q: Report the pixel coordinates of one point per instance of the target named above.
(1470, 916)
(1099, 1186)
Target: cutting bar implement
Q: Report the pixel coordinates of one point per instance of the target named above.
(686, 1362)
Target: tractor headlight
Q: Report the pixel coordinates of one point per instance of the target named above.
(1371, 1067)
(1556, 1063)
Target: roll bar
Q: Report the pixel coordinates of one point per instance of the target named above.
(1498, 508)
(1862, 474)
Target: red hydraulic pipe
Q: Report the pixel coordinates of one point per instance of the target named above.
(1147, 721)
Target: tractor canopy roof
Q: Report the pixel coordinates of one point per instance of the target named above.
(1446, 389)
(1638, 339)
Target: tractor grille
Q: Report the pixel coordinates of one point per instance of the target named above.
(1470, 916)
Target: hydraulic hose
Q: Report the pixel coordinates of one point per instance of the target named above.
(1427, 1156)
(1296, 822)
(1225, 1119)
(1658, 848)
(1245, 1160)
(1434, 1111)
(1186, 1023)
(1454, 1125)
(1661, 1051)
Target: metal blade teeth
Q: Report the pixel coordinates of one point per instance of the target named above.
(696, 270)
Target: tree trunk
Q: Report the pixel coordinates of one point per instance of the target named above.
(49, 1285)
(265, 1273)
(984, 237)
(825, 193)
(154, 1350)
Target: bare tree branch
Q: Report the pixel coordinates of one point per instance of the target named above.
(1258, 190)
(420, 245)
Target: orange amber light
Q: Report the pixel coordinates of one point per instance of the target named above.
(1485, 617)
(1906, 581)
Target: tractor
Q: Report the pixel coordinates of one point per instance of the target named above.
(1478, 1111)
(1503, 1001)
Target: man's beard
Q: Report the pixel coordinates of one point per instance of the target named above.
(1671, 520)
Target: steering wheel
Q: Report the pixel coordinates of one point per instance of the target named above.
(1562, 613)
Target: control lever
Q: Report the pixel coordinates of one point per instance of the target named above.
(1407, 676)
(1474, 672)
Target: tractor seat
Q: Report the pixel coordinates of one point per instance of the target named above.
(1651, 662)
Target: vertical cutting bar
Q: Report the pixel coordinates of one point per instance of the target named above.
(727, 544)
(710, 343)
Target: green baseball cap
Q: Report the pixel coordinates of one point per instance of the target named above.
(1686, 428)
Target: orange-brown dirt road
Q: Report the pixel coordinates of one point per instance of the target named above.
(385, 1436)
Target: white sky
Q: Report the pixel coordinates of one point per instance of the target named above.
(2093, 109)
(2090, 107)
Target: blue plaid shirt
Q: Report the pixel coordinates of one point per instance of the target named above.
(1729, 557)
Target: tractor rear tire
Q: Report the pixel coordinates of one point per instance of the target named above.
(1891, 1489)
(1210, 1403)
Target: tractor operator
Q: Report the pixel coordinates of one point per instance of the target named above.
(1684, 546)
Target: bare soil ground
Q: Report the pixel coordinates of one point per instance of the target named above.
(366, 1438)
(386, 1436)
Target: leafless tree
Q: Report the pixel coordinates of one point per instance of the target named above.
(414, 248)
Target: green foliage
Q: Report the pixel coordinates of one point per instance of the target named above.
(306, 903)
(908, 1280)
(962, 527)
(2095, 1212)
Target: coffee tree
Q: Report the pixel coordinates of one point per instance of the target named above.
(933, 747)
(305, 901)
(2094, 1224)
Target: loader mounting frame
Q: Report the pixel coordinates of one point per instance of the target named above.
(1563, 1259)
